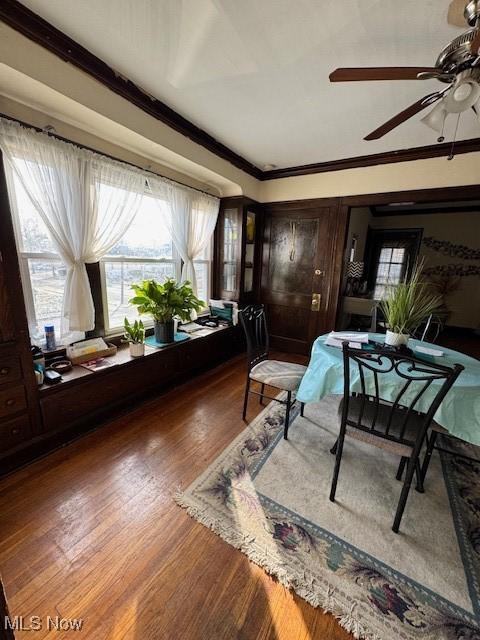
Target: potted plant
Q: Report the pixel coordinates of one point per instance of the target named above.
(406, 306)
(163, 302)
(135, 336)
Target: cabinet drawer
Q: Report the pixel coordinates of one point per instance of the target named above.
(13, 432)
(12, 400)
(10, 369)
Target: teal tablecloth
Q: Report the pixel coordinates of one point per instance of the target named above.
(459, 413)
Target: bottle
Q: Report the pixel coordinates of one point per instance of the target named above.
(50, 337)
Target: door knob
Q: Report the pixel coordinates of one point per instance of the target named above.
(319, 272)
(316, 300)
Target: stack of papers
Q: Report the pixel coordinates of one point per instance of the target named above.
(355, 339)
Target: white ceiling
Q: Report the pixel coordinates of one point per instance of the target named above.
(254, 73)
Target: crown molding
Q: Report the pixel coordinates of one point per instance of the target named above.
(387, 157)
(31, 25)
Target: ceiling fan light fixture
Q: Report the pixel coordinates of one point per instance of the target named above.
(464, 94)
(436, 118)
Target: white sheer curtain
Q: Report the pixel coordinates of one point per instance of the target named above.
(190, 216)
(85, 200)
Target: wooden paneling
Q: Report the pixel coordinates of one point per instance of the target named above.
(12, 400)
(10, 369)
(14, 431)
(7, 327)
(92, 531)
(16, 364)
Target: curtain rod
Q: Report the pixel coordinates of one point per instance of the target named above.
(107, 155)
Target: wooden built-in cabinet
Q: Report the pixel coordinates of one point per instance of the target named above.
(19, 408)
(238, 250)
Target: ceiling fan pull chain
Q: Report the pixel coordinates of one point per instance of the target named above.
(451, 156)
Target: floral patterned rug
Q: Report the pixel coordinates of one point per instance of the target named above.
(269, 498)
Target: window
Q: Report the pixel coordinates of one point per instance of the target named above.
(145, 252)
(203, 274)
(390, 269)
(390, 255)
(43, 272)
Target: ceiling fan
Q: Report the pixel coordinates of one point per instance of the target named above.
(458, 66)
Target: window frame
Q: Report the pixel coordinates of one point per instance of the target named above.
(25, 256)
(175, 260)
(376, 236)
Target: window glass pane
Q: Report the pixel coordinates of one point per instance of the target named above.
(385, 255)
(119, 276)
(48, 283)
(34, 236)
(398, 255)
(201, 272)
(147, 237)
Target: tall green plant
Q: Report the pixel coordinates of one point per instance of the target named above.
(164, 301)
(409, 303)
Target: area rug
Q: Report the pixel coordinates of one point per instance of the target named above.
(269, 498)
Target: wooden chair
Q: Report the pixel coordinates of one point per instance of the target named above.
(285, 376)
(397, 426)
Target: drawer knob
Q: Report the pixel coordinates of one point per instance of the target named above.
(10, 402)
(4, 371)
(15, 431)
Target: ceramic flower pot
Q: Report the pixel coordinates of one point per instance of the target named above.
(164, 331)
(393, 339)
(137, 349)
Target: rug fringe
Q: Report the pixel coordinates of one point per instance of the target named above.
(304, 587)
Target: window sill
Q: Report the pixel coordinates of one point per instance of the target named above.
(123, 359)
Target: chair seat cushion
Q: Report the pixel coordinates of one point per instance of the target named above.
(381, 416)
(278, 374)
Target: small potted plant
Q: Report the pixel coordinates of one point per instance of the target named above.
(135, 336)
(163, 302)
(406, 306)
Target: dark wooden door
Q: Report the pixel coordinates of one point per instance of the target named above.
(302, 254)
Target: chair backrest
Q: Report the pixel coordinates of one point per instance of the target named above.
(415, 377)
(253, 321)
(429, 329)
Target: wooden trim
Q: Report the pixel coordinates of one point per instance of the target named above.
(31, 25)
(398, 211)
(437, 194)
(387, 157)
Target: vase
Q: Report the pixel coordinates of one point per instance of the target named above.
(394, 339)
(137, 349)
(164, 331)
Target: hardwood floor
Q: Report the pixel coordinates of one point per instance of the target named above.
(92, 532)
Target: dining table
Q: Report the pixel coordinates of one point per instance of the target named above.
(459, 413)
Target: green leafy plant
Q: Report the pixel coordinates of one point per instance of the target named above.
(134, 332)
(164, 301)
(409, 303)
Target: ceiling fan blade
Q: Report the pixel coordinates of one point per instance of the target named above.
(475, 44)
(404, 115)
(379, 73)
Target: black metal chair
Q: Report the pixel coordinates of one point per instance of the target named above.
(396, 426)
(285, 376)
(429, 330)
